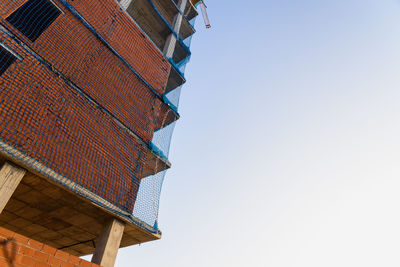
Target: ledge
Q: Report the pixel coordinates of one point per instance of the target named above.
(175, 80)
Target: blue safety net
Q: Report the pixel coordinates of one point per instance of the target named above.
(173, 97)
(148, 199)
(182, 64)
(188, 41)
(193, 21)
(162, 139)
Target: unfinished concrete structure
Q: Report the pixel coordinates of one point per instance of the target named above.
(89, 96)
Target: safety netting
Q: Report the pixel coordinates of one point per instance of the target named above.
(162, 137)
(161, 140)
(86, 100)
(149, 192)
(173, 97)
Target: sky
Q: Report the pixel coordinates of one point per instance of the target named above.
(287, 151)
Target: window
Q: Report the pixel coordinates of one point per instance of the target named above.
(34, 17)
(6, 59)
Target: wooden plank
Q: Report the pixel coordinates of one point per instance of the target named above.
(10, 177)
(108, 243)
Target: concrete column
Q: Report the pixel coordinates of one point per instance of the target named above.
(10, 177)
(108, 243)
(170, 44)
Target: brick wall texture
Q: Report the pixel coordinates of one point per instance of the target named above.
(72, 49)
(31, 253)
(73, 133)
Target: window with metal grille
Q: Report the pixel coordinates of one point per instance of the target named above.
(34, 17)
(6, 59)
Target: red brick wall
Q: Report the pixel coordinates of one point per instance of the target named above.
(73, 50)
(31, 253)
(48, 120)
(123, 34)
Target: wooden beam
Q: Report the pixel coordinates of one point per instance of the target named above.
(108, 243)
(10, 177)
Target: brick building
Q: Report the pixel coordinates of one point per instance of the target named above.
(89, 94)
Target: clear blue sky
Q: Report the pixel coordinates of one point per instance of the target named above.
(287, 153)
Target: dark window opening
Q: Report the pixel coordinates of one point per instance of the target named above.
(34, 17)
(6, 59)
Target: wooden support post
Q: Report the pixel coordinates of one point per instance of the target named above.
(108, 244)
(10, 176)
